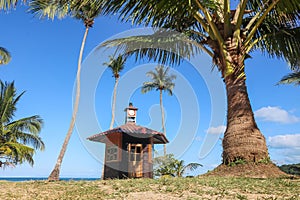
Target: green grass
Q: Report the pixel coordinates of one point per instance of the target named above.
(164, 188)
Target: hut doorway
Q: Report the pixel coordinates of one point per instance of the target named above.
(135, 160)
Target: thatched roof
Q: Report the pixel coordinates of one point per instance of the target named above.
(133, 130)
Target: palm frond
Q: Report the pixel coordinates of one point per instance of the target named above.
(19, 153)
(163, 46)
(148, 86)
(116, 65)
(49, 8)
(26, 131)
(31, 124)
(29, 139)
(86, 12)
(193, 166)
(278, 36)
(5, 56)
(81, 9)
(8, 101)
(8, 4)
(16, 135)
(289, 7)
(292, 78)
(153, 75)
(173, 15)
(143, 11)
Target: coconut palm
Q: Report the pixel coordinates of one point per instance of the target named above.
(86, 12)
(19, 139)
(228, 32)
(168, 165)
(4, 56)
(116, 66)
(292, 78)
(161, 81)
(181, 168)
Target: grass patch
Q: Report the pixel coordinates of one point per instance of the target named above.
(164, 188)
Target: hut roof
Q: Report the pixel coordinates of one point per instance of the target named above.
(133, 130)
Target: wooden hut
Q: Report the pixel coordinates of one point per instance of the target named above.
(129, 148)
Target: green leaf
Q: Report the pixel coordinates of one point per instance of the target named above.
(292, 78)
(5, 56)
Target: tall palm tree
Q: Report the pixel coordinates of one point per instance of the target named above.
(161, 81)
(86, 12)
(292, 78)
(116, 66)
(18, 138)
(4, 56)
(227, 31)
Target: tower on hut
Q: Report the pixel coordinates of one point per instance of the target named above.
(128, 148)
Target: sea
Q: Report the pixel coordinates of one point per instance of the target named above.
(19, 179)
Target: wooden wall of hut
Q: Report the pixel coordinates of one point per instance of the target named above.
(121, 168)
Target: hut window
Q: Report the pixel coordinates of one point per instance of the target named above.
(112, 153)
(135, 152)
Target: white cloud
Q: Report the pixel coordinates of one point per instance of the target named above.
(285, 141)
(285, 148)
(216, 130)
(292, 156)
(276, 114)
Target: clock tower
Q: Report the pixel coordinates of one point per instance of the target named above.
(130, 114)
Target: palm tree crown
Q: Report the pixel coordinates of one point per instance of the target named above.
(87, 12)
(160, 80)
(116, 65)
(20, 138)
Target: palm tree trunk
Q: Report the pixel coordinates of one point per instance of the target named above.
(242, 139)
(54, 176)
(114, 104)
(162, 119)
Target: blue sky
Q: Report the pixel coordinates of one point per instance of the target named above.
(44, 62)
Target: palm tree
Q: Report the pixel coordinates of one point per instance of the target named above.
(228, 32)
(291, 78)
(116, 66)
(87, 12)
(168, 165)
(163, 82)
(18, 138)
(181, 168)
(4, 56)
